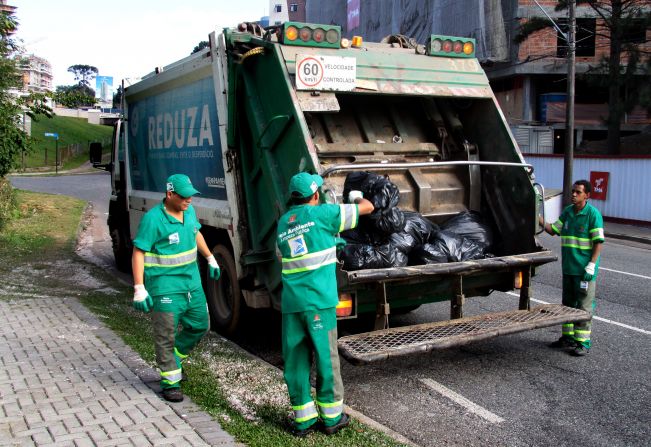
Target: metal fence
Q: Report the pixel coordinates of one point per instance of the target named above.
(628, 195)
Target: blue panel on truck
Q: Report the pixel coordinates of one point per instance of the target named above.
(177, 131)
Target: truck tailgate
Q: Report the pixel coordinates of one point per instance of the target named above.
(422, 273)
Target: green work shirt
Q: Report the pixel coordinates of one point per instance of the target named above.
(307, 243)
(579, 232)
(170, 250)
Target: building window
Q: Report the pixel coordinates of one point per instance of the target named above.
(293, 7)
(278, 8)
(278, 22)
(585, 38)
(635, 32)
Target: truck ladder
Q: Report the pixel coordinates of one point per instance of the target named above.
(383, 344)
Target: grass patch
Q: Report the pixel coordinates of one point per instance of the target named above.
(43, 225)
(71, 131)
(246, 396)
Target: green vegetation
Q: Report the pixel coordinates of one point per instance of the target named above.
(40, 223)
(7, 202)
(71, 131)
(246, 396)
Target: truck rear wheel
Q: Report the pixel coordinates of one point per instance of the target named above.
(224, 296)
(121, 243)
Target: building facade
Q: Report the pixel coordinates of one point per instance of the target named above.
(37, 74)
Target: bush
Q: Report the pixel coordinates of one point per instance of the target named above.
(8, 203)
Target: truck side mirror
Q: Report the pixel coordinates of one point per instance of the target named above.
(95, 153)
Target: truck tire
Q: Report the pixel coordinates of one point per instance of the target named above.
(121, 242)
(224, 296)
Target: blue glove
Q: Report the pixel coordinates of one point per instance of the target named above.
(589, 271)
(213, 268)
(141, 299)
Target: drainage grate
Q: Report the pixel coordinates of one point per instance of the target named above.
(380, 345)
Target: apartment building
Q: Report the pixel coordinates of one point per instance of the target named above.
(283, 10)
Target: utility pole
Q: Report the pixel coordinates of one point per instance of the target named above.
(568, 161)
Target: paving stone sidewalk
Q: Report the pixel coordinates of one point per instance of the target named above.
(67, 380)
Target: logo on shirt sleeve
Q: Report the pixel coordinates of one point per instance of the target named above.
(297, 246)
(174, 238)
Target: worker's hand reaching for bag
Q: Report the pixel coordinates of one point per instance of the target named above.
(354, 195)
(141, 299)
(589, 271)
(213, 268)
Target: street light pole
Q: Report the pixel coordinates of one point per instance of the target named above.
(568, 160)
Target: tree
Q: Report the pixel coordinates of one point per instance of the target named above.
(74, 96)
(13, 140)
(83, 73)
(117, 98)
(200, 46)
(624, 25)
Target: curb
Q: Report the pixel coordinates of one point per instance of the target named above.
(627, 237)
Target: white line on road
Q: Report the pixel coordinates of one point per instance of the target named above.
(605, 320)
(470, 406)
(625, 273)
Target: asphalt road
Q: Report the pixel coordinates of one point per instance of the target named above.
(512, 390)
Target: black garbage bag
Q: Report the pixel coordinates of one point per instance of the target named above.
(388, 221)
(417, 232)
(458, 248)
(470, 224)
(359, 256)
(428, 254)
(365, 233)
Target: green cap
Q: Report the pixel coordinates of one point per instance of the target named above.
(304, 185)
(181, 184)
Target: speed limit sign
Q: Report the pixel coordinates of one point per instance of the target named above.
(325, 72)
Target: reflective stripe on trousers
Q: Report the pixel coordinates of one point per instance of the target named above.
(171, 377)
(305, 412)
(331, 410)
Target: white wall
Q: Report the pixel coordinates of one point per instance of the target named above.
(629, 182)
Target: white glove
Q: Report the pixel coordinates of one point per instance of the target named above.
(213, 268)
(141, 299)
(589, 271)
(354, 195)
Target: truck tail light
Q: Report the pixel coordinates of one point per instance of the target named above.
(451, 46)
(357, 42)
(517, 280)
(345, 306)
(310, 35)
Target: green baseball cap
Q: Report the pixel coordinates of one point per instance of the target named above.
(304, 185)
(181, 184)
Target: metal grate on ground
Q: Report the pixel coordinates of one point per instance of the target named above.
(380, 345)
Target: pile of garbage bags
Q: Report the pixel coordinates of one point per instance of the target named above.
(391, 237)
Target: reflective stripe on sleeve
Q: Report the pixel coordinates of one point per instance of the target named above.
(597, 234)
(155, 260)
(576, 242)
(556, 226)
(310, 261)
(305, 412)
(348, 217)
(331, 410)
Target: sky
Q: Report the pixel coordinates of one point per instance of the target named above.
(123, 38)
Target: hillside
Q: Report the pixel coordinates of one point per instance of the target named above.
(72, 131)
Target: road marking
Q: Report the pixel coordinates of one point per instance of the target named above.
(605, 320)
(459, 399)
(625, 273)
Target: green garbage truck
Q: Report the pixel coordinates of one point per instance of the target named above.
(258, 105)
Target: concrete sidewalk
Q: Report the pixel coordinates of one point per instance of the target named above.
(67, 380)
(633, 233)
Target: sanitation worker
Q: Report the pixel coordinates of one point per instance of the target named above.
(167, 281)
(307, 244)
(581, 228)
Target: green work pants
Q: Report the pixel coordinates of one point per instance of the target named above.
(575, 297)
(173, 342)
(305, 333)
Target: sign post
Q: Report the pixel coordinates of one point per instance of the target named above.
(56, 150)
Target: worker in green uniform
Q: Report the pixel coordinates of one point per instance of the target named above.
(165, 261)
(581, 228)
(307, 244)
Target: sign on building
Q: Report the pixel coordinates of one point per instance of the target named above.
(599, 182)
